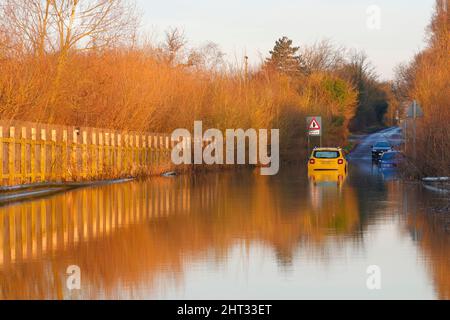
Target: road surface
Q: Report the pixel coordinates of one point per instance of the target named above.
(363, 150)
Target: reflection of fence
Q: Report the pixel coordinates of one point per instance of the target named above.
(31, 230)
(32, 153)
(36, 229)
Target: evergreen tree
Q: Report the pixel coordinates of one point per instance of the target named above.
(284, 58)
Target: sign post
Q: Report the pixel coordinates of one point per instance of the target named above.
(414, 111)
(314, 129)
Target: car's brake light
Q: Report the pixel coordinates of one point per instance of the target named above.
(340, 161)
(312, 161)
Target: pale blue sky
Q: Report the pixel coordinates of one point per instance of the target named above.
(251, 27)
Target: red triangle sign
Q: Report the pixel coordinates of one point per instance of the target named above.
(314, 125)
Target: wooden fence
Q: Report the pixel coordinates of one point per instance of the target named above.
(32, 153)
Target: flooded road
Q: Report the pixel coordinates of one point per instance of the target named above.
(230, 235)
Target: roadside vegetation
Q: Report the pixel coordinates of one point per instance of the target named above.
(427, 79)
(85, 63)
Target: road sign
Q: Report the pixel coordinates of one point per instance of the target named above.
(414, 111)
(314, 126)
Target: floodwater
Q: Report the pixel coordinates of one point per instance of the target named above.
(231, 235)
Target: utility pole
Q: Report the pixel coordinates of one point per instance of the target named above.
(246, 68)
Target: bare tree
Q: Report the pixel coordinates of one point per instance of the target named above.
(27, 22)
(63, 25)
(323, 56)
(208, 57)
(174, 43)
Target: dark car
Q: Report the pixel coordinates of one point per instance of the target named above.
(391, 159)
(379, 149)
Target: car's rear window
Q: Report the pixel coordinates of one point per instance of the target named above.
(326, 154)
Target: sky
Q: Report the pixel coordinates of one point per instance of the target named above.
(250, 27)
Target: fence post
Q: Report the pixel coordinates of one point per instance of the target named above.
(23, 146)
(113, 154)
(150, 150)
(138, 151)
(162, 146)
(127, 143)
(74, 153)
(33, 155)
(167, 153)
(84, 155)
(12, 154)
(161, 149)
(1, 155)
(156, 149)
(119, 153)
(54, 169)
(94, 154)
(144, 150)
(132, 152)
(43, 154)
(100, 152)
(64, 154)
(107, 152)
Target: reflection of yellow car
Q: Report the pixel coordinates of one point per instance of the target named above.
(318, 177)
(328, 159)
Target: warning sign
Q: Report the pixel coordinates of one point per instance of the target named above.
(314, 126)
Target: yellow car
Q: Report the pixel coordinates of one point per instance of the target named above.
(328, 159)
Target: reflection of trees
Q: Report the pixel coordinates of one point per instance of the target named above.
(368, 185)
(426, 229)
(429, 230)
(283, 215)
(125, 237)
(435, 244)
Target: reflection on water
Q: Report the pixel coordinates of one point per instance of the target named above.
(323, 177)
(227, 235)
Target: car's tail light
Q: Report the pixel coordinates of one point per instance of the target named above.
(312, 161)
(340, 161)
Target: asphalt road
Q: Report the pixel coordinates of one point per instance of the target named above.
(392, 135)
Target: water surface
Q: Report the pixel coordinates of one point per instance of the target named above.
(230, 235)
